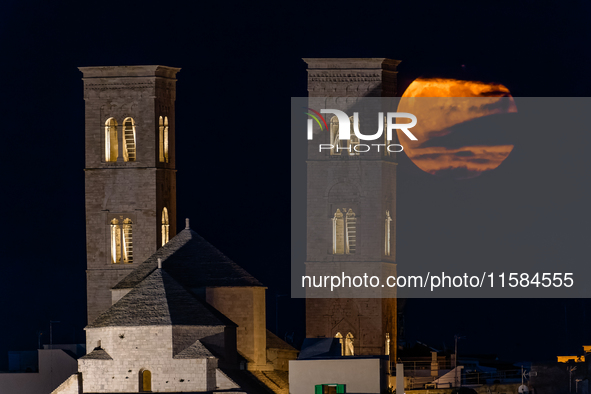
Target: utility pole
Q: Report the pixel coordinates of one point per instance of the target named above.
(456, 360)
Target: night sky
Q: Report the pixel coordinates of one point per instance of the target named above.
(246, 56)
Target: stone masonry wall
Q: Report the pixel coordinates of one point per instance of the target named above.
(135, 349)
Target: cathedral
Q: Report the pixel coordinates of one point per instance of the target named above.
(169, 312)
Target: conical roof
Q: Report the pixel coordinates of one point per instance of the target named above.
(194, 263)
(160, 300)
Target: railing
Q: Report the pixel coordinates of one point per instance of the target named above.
(418, 376)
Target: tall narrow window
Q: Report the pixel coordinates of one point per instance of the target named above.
(387, 233)
(121, 241)
(349, 350)
(165, 136)
(111, 144)
(161, 138)
(163, 129)
(129, 141)
(336, 143)
(338, 233)
(115, 241)
(339, 336)
(387, 141)
(351, 231)
(354, 141)
(127, 241)
(165, 226)
(344, 232)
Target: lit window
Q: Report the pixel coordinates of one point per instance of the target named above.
(354, 141)
(346, 344)
(163, 139)
(344, 232)
(115, 241)
(165, 226)
(349, 350)
(166, 138)
(111, 146)
(387, 233)
(129, 153)
(387, 141)
(121, 241)
(340, 145)
(339, 336)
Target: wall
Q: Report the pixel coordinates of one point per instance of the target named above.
(142, 348)
(359, 375)
(55, 366)
(245, 306)
(139, 189)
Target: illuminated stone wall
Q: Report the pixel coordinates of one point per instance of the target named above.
(134, 349)
(137, 189)
(245, 306)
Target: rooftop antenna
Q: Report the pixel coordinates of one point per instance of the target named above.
(159, 263)
(187, 224)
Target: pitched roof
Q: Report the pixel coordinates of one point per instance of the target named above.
(194, 263)
(196, 350)
(274, 342)
(160, 300)
(97, 354)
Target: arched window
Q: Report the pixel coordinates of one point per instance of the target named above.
(111, 144)
(127, 241)
(387, 141)
(349, 350)
(129, 153)
(354, 141)
(165, 226)
(121, 241)
(339, 336)
(163, 139)
(166, 138)
(344, 232)
(145, 381)
(387, 234)
(340, 145)
(115, 241)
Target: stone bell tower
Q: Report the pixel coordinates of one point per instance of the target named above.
(351, 209)
(130, 176)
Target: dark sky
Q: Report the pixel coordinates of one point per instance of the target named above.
(247, 56)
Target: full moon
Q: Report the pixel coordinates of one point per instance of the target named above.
(458, 132)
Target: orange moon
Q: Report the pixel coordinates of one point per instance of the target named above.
(452, 142)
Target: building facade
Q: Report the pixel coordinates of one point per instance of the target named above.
(351, 215)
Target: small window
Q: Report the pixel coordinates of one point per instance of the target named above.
(388, 226)
(349, 350)
(163, 139)
(121, 241)
(344, 232)
(129, 153)
(111, 144)
(165, 226)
